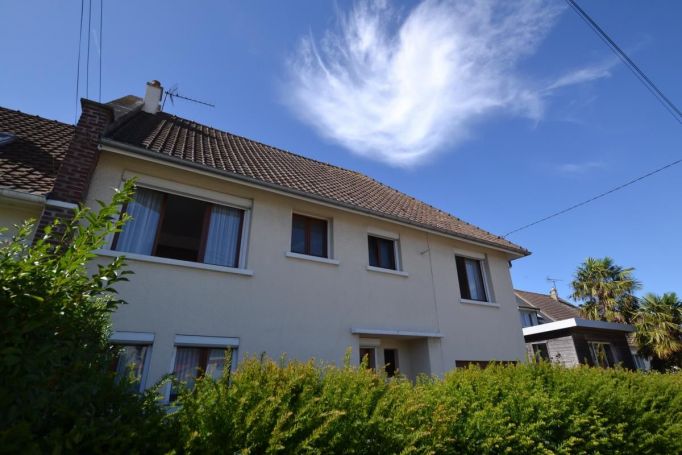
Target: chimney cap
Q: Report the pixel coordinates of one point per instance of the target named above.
(154, 83)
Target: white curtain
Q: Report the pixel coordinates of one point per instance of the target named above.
(139, 233)
(186, 367)
(475, 279)
(223, 237)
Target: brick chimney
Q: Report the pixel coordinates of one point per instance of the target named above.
(152, 97)
(75, 172)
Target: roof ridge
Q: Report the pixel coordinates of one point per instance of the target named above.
(565, 302)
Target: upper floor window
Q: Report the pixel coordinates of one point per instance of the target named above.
(309, 236)
(471, 278)
(382, 252)
(528, 318)
(177, 227)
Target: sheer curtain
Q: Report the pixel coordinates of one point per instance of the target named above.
(186, 367)
(223, 236)
(139, 233)
(475, 279)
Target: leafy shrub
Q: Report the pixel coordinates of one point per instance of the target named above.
(57, 393)
(294, 407)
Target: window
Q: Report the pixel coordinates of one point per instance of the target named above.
(528, 318)
(130, 361)
(194, 362)
(309, 236)
(382, 252)
(471, 279)
(176, 227)
(390, 362)
(601, 354)
(370, 354)
(540, 351)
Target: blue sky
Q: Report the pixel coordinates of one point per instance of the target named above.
(497, 115)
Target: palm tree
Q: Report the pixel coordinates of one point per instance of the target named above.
(658, 324)
(606, 289)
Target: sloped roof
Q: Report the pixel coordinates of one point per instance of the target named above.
(30, 162)
(553, 309)
(186, 140)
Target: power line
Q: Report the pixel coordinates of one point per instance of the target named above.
(78, 64)
(101, 46)
(87, 64)
(599, 196)
(648, 83)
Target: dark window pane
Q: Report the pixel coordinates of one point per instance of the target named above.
(470, 278)
(540, 351)
(181, 229)
(318, 237)
(390, 362)
(381, 252)
(298, 226)
(369, 354)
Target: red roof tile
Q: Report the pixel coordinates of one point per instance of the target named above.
(184, 139)
(30, 162)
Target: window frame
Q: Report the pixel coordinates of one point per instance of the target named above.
(121, 338)
(244, 226)
(533, 316)
(536, 352)
(482, 265)
(594, 355)
(307, 241)
(396, 253)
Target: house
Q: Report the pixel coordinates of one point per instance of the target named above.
(243, 246)
(553, 330)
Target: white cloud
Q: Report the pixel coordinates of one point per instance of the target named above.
(397, 89)
(580, 168)
(585, 74)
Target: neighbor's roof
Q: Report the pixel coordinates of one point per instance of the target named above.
(181, 139)
(576, 322)
(30, 162)
(553, 309)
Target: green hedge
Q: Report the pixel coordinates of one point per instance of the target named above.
(295, 407)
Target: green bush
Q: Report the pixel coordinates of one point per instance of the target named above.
(57, 393)
(265, 407)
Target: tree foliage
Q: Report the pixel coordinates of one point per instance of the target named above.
(57, 392)
(658, 324)
(606, 290)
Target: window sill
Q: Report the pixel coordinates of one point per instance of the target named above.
(479, 303)
(307, 257)
(387, 271)
(177, 262)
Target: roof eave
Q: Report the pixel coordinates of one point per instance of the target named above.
(517, 253)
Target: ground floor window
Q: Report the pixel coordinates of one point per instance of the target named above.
(192, 363)
(368, 355)
(390, 362)
(601, 353)
(130, 361)
(540, 351)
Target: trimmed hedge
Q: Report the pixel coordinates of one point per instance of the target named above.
(265, 407)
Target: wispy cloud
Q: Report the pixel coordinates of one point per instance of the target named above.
(398, 89)
(580, 168)
(585, 74)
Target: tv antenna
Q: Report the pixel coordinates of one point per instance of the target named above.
(553, 281)
(172, 93)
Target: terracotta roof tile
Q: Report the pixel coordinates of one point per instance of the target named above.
(30, 162)
(553, 309)
(187, 140)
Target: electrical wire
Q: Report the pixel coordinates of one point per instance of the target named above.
(78, 64)
(599, 196)
(648, 83)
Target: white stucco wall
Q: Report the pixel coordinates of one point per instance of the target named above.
(304, 308)
(15, 212)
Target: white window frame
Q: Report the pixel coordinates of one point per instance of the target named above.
(487, 285)
(123, 338)
(200, 341)
(533, 317)
(196, 193)
(331, 259)
(395, 238)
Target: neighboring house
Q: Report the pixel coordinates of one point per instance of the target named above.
(553, 330)
(239, 245)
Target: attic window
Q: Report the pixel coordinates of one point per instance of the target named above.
(6, 138)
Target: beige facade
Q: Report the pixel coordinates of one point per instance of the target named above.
(284, 304)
